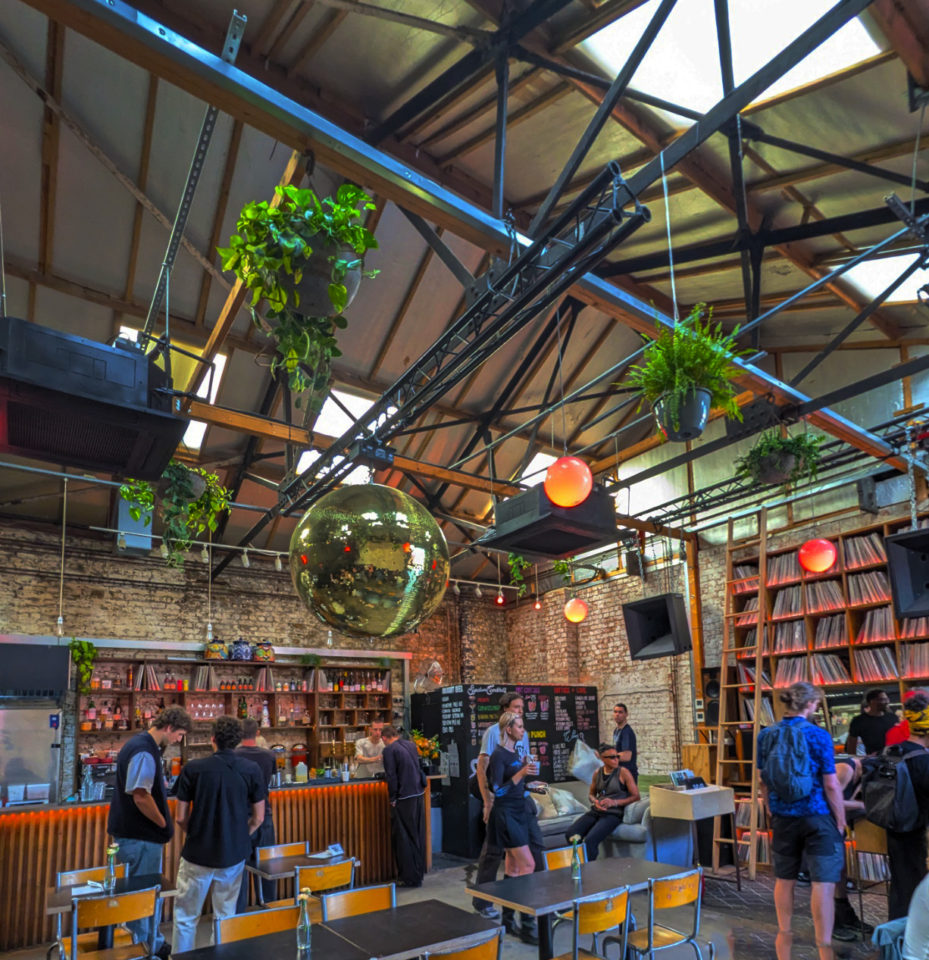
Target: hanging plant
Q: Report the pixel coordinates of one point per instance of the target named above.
(304, 257)
(781, 459)
(83, 655)
(563, 569)
(518, 565)
(190, 501)
(687, 369)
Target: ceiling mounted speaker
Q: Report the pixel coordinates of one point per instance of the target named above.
(657, 627)
(908, 566)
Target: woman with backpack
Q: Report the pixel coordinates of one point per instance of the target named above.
(907, 851)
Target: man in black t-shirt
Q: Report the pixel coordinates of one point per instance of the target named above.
(220, 803)
(871, 725)
(264, 835)
(624, 741)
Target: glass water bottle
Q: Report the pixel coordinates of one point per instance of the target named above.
(304, 934)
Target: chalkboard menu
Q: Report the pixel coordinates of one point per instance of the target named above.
(554, 717)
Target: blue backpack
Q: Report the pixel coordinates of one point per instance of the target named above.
(786, 769)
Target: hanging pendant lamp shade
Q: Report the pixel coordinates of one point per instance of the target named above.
(817, 556)
(568, 482)
(575, 610)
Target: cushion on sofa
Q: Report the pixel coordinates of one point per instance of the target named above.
(635, 812)
(631, 832)
(566, 803)
(544, 805)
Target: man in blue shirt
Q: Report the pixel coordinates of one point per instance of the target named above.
(624, 740)
(814, 824)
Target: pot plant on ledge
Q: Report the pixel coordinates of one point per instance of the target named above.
(685, 371)
(304, 257)
(190, 501)
(781, 459)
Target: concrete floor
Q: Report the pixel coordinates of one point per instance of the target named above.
(741, 925)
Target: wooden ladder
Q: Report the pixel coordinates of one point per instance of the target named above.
(733, 767)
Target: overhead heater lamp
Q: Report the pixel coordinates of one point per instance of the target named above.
(568, 482)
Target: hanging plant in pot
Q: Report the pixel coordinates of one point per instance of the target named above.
(686, 371)
(190, 501)
(305, 258)
(781, 459)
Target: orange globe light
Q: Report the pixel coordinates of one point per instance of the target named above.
(575, 610)
(568, 482)
(817, 556)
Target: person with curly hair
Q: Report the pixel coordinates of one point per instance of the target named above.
(220, 803)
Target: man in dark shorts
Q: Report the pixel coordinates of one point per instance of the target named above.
(814, 824)
(264, 835)
(871, 725)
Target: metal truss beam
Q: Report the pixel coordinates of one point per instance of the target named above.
(440, 248)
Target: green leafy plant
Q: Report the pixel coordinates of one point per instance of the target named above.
(563, 567)
(83, 655)
(518, 565)
(269, 253)
(772, 447)
(693, 353)
(190, 501)
(310, 660)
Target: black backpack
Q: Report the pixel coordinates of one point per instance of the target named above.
(887, 789)
(786, 770)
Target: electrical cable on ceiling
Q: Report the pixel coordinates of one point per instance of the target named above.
(2, 270)
(667, 217)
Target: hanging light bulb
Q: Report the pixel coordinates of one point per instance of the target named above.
(60, 626)
(568, 482)
(204, 554)
(121, 541)
(478, 592)
(245, 561)
(277, 563)
(499, 599)
(456, 589)
(537, 605)
(575, 610)
(163, 549)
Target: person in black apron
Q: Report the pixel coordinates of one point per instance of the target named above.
(611, 789)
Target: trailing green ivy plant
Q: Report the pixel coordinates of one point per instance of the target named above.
(190, 502)
(692, 353)
(771, 446)
(268, 254)
(563, 568)
(83, 655)
(518, 565)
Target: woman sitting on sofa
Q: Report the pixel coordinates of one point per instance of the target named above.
(611, 789)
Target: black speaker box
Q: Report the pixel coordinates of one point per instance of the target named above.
(657, 626)
(908, 566)
(711, 696)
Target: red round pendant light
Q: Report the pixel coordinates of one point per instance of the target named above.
(568, 481)
(817, 556)
(575, 610)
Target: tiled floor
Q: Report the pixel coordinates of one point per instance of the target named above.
(741, 924)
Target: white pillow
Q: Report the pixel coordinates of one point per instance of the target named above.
(565, 802)
(544, 805)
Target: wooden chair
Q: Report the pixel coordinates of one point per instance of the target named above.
(295, 849)
(316, 879)
(349, 903)
(256, 924)
(870, 840)
(558, 859)
(486, 949)
(595, 915)
(87, 942)
(105, 911)
(676, 891)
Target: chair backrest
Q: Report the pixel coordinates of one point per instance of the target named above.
(256, 924)
(283, 850)
(111, 909)
(326, 878)
(349, 903)
(675, 891)
(602, 911)
(562, 856)
(869, 837)
(487, 949)
(68, 878)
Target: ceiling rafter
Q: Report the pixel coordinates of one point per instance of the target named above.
(51, 133)
(268, 30)
(905, 23)
(332, 19)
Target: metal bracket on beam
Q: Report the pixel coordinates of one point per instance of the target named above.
(916, 96)
(758, 415)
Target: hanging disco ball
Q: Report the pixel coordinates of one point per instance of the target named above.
(817, 556)
(568, 482)
(369, 561)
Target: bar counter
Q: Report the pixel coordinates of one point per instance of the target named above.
(38, 841)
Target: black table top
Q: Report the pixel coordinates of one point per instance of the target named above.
(410, 930)
(283, 944)
(58, 899)
(550, 890)
(280, 868)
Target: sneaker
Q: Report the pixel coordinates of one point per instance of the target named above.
(845, 934)
(164, 951)
(845, 916)
(488, 911)
(803, 876)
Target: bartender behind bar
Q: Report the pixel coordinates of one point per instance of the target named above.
(369, 750)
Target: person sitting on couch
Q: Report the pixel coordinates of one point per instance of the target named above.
(611, 788)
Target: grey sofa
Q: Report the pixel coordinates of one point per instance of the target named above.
(634, 837)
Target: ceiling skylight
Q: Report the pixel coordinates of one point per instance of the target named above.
(682, 65)
(534, 473)
(874, 276)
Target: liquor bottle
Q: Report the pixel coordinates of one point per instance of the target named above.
(243, 708)
(138, 717)
(265, 714)
(129, 677)
(91, 710)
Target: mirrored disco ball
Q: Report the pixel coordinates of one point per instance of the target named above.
(369, 560)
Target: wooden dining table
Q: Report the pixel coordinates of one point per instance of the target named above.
(398, 933)
(282, 868)
(542, 894)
